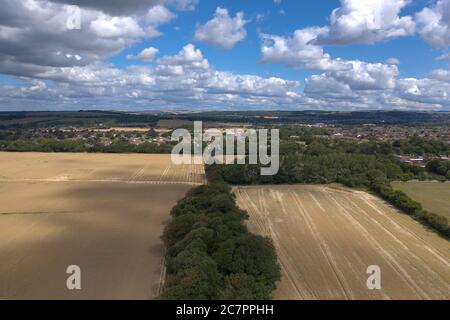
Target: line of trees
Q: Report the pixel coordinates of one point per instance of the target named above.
(440, 167)
(210, 252)
(420, 146)
(70, 145)
(381, 186)
(369, 166)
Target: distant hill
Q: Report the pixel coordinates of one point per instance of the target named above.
(88, 118)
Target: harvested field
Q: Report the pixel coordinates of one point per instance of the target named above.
(102, 212)
(326, 237)
(434, 196)
(91, 167)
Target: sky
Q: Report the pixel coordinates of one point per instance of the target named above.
(166, 55)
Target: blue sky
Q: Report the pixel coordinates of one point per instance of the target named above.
(211, 54)
(283, 19)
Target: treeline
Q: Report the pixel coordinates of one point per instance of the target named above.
(69, 145)
(323, 162)
(211, 254)
(312, 117)
(367, 166)
(440, 167)
(381, 186)
(420, 146)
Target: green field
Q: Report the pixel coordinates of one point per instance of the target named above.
(433, 196)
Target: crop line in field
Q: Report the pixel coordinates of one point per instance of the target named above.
(384, 253)
(278, 195)
(102, 181)
(324, 248)
(401, 243)
(405, 230)
(260, 224)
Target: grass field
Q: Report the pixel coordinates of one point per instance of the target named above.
(326, 237)
(102, 212)
(433, 196)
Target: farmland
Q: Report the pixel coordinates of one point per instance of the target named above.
(102, 212)
(327, 236)
(433, 196)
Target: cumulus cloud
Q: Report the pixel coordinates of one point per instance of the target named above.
(222, 30)
(156, 16)
(434, 24)
(298, 51)
(356, 88)
(367, 21)
(441, 75)
(408, 93)
(189, 56)
(393, 61)
(113, 7)
(34, 35)
(185, 79)
(444, 57)
(183, 4)
(125, 7)
(148, 54)
(62, 68)
(115, 27)
(354, 84)
(426, 91)
(368, 76)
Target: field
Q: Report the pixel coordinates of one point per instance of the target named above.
(433, 196)
(327, 236)
(102, 212)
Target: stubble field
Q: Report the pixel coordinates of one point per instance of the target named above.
(326, 237)
(102, 212)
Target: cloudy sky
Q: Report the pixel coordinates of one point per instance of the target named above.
(210, 54)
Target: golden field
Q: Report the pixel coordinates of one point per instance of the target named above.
(326, 237)
(102, 212)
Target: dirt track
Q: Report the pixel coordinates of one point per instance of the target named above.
(102, 212)
(326, 237)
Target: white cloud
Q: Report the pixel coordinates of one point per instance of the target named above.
(189, 56)
(441, 75)
(444, 57)
(156, 16)
(434, 24)
(367, 21)
(297, 51)
(127, 7)
(184, 79)
(148, 54)
(35, 43)
(116, 27)
(34, 36)
(426, 91)
(223, 31)
(183, 4)
(393, 61)
(368, 76)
